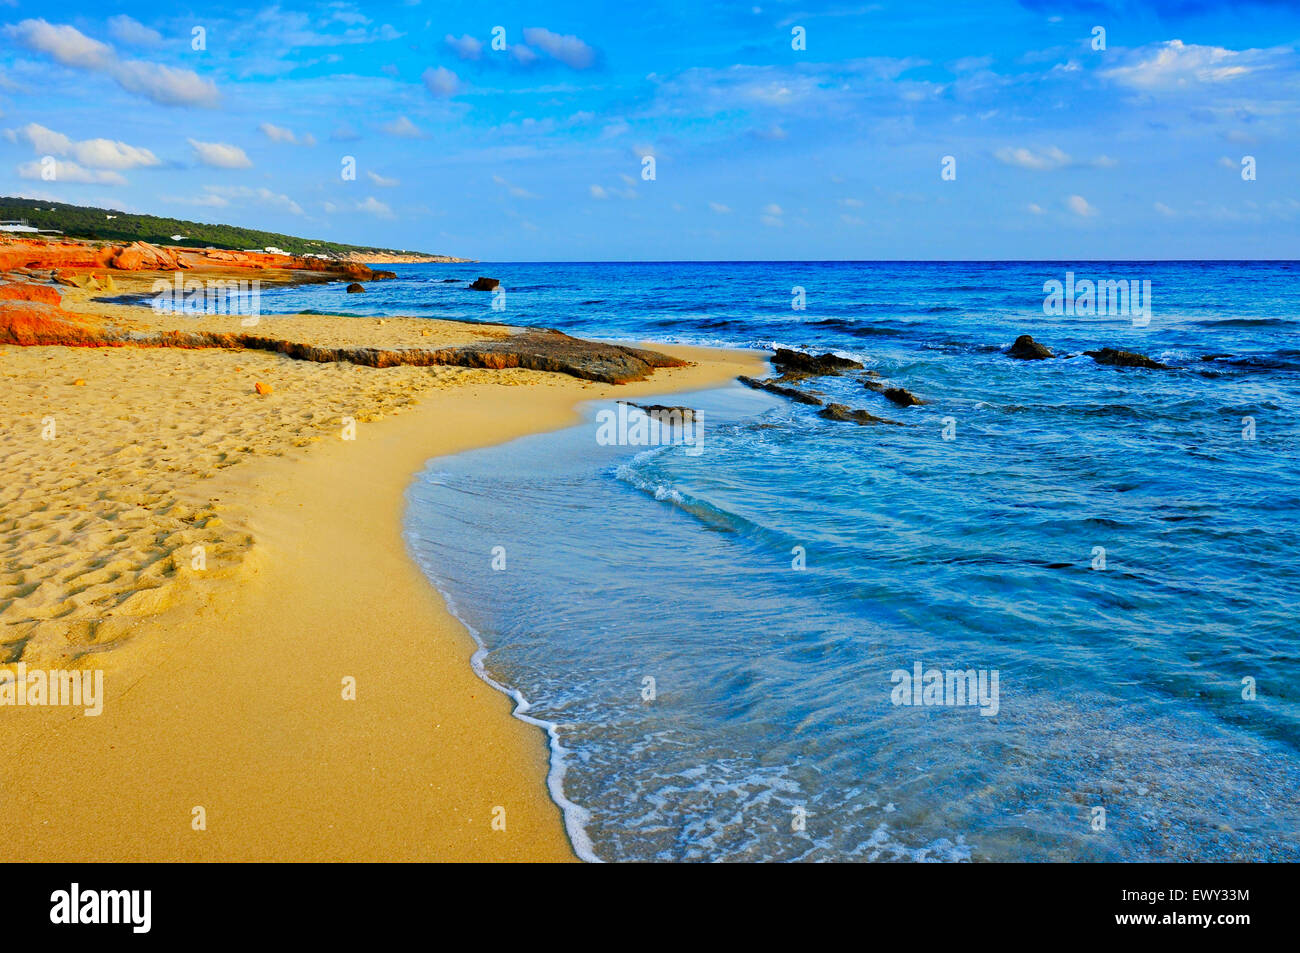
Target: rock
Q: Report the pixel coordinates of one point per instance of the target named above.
(878, 387)
(357, 272)
(663, 413)
(355, 288)
(1114, 358)
(79, 382)
(902, 397)
(23, 291)
(846, 414)
(263, 389)
(382, 275)
(485, 284)
(1026, 348)
(68, 279)
(810, 364)
(772, 387)
(128, 259)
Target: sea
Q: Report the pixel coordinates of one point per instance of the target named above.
(1053, 616)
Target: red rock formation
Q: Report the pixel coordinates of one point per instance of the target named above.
(27, 292)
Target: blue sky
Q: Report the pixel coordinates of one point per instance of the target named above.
(762, 151)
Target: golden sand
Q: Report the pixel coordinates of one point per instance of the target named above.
(227, 664)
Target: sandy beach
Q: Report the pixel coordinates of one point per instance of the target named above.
(234, 563)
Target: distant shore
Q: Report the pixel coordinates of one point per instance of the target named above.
(233, 562)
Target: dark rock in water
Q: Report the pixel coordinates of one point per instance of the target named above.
(903, 397)
(796, 395)
(811, 364)
(849, 415)
(383, 276)
(878, 387)
(1026, 348)
(354, 288)
(485, 284)
(446, 280)
(1114, 358)
(665, 414)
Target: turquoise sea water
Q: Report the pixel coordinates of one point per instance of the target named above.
(772, 733)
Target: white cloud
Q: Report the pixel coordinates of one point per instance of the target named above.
(568, 49)
(277, 133)
(523, 55)
(516, 191)
(373, 206)
(94, 153)
(1035, 208)
(402, 127)
(1164, 209)
(598, 192)
(773, 209)
(466, 47)
(131, 32)
(441, 81)
(221, 155)
(65, 44)
(165, 85)
(719, 208)
(70, 172)
(381, 181)
(1049, 158)
(1079, 206)
(1175, 65)
(262, 196)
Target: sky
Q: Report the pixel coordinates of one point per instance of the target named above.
(792, 130)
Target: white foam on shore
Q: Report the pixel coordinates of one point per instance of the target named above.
(576, 817)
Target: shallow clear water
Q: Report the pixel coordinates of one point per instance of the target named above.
(1119, 688)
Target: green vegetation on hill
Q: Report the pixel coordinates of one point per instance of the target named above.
(78, 221)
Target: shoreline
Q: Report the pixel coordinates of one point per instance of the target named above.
(230, 698)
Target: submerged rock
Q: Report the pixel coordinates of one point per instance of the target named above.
(847, 414)
(664, 414)
(772, 387)
(354, 288)
(1026, 348)
(1116, 358)
(809, 365)
(485, 284)
(903, 397)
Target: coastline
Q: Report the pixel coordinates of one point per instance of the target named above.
(230, 698)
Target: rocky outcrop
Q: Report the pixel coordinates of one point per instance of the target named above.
(30, 323)
(811, 365)
(485, 284)
(663, 413)
(23, 291)
(847, 414)
(355, 288)
(774, 388)
(382, 275)
(1115, 358)
(902, 397)
(1026, 348)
